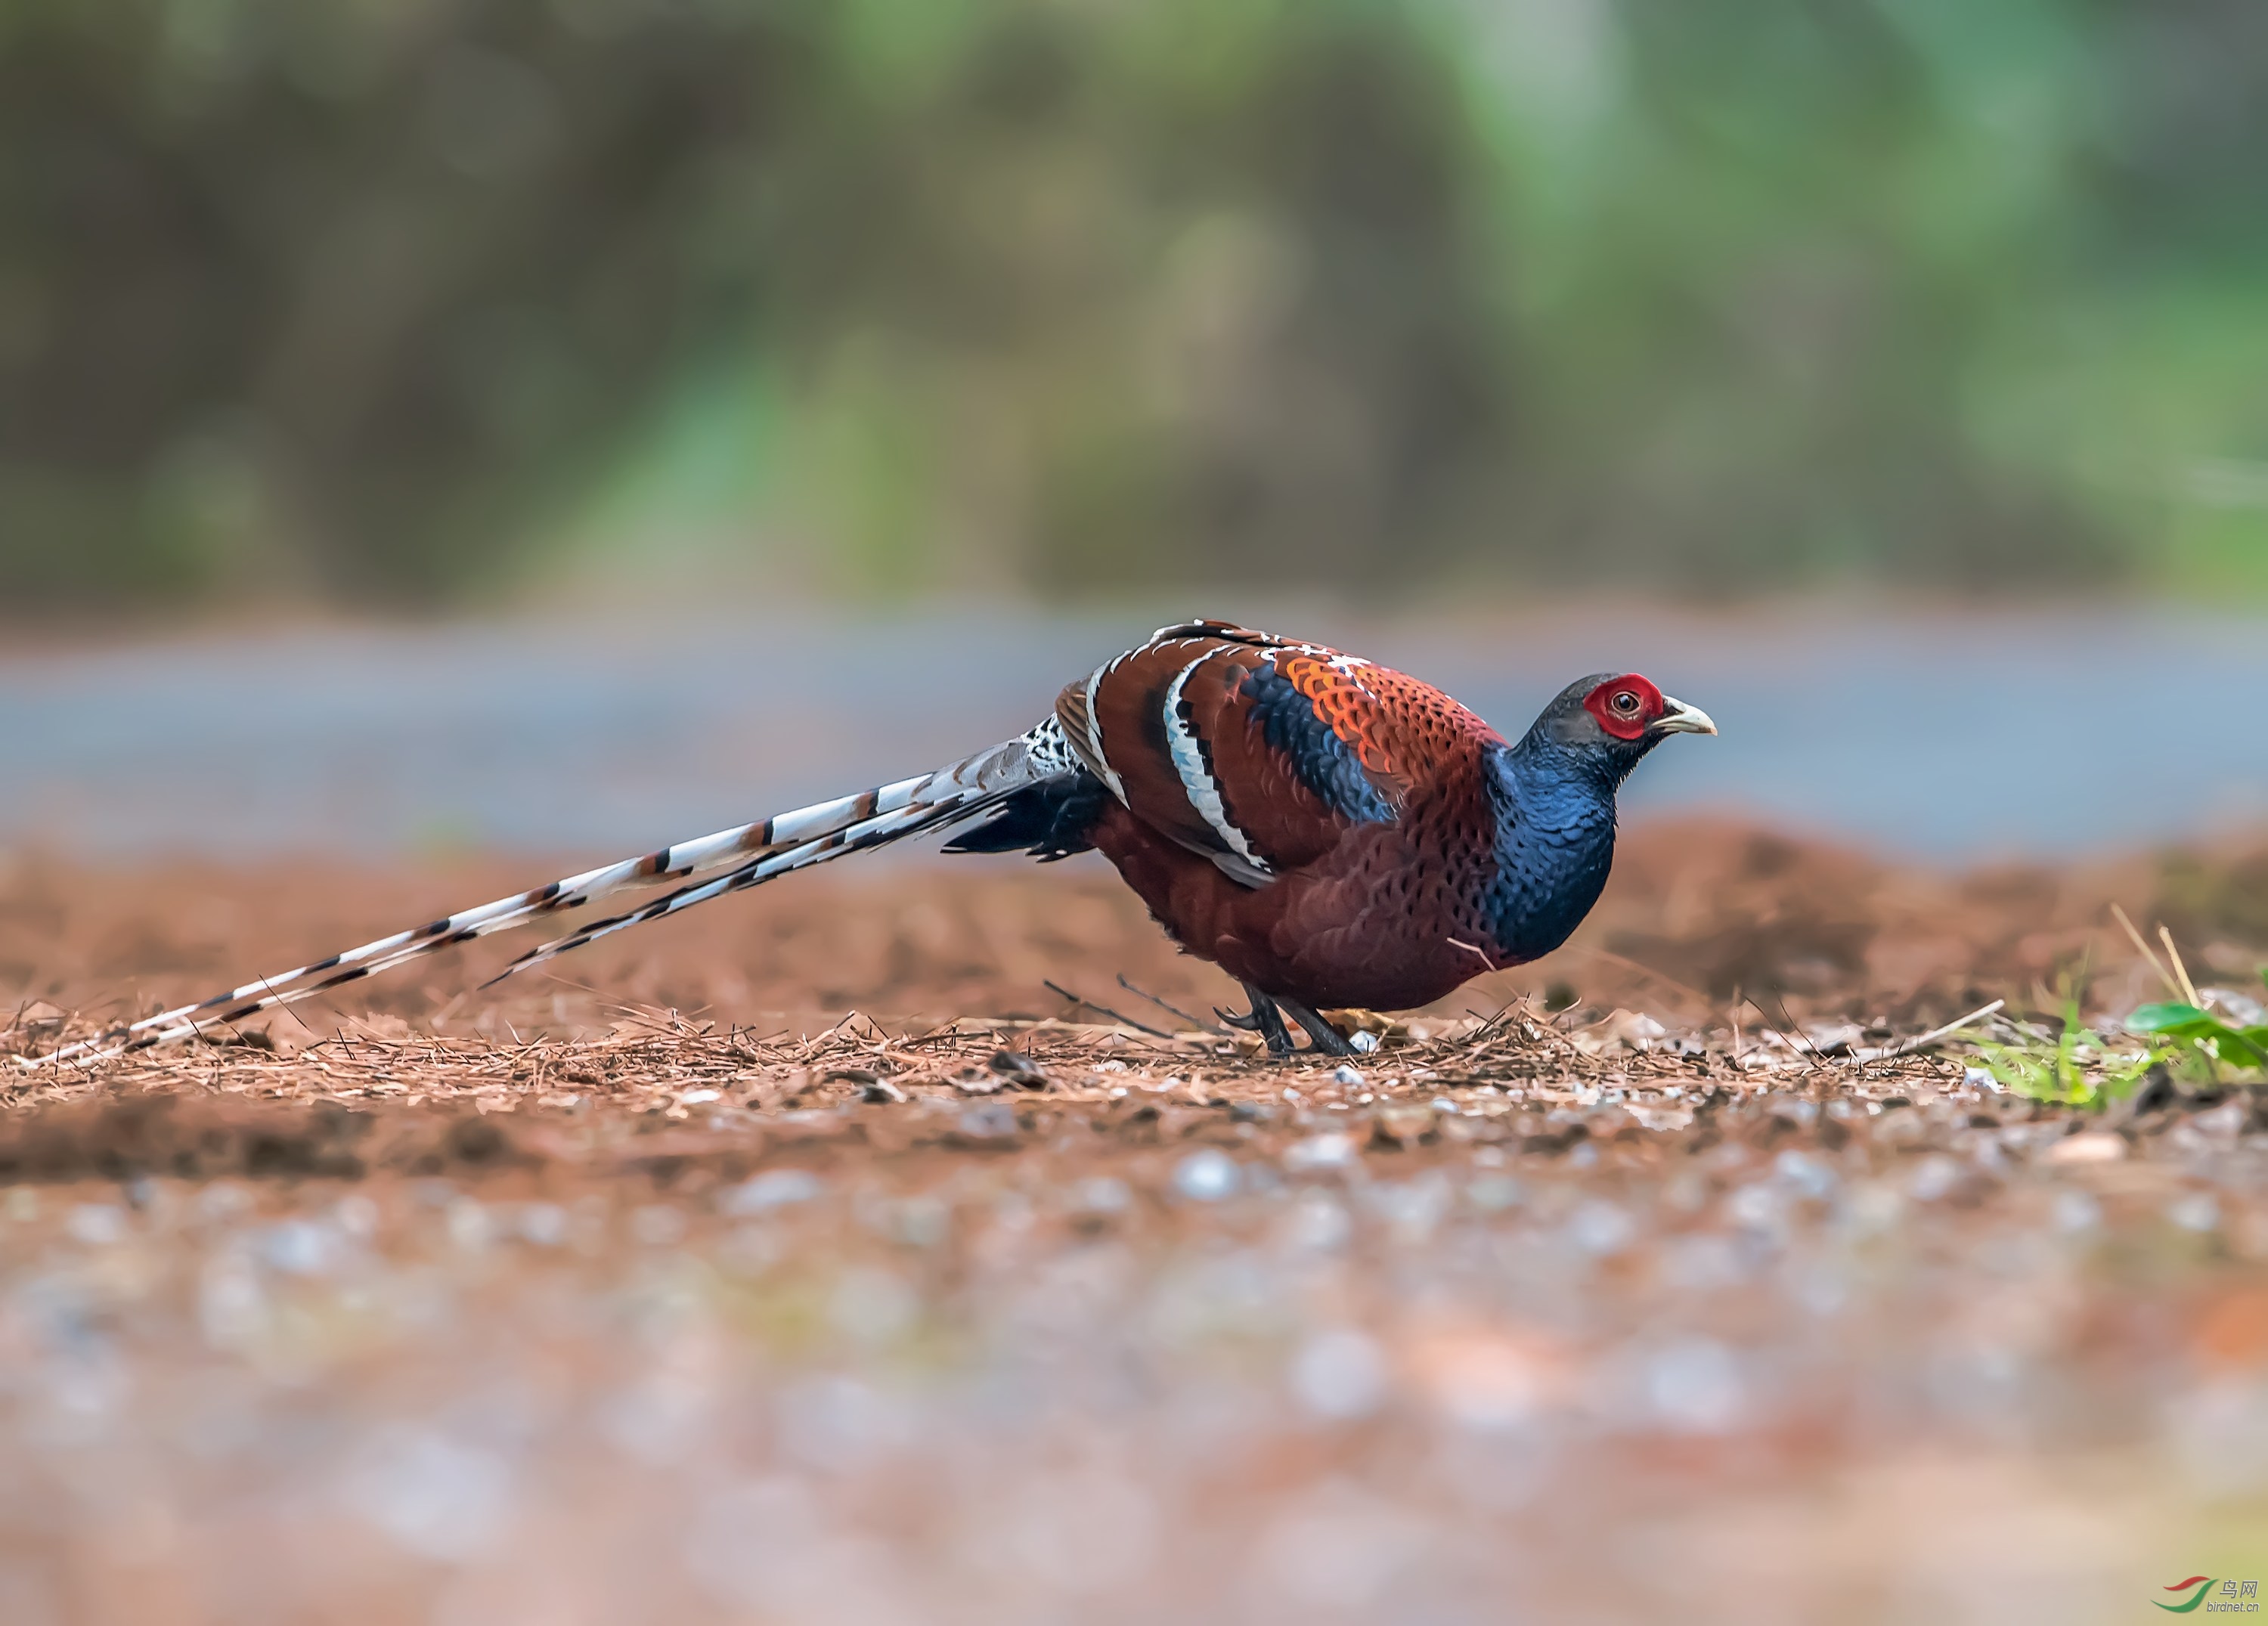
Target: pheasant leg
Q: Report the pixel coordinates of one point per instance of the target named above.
(1328, 1038)
(1263, 1019)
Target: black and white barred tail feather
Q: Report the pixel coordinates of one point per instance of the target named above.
(746, 855)
(875, 832)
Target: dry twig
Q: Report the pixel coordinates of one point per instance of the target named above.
(1194, 1021)
(1115, 1016)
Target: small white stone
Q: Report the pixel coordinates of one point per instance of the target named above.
(773, 1189)
(1332, 1151)
(1207, 1176)
(1364, 1041)
(1344, 1074)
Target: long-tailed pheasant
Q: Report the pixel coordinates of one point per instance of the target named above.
(1328, 831)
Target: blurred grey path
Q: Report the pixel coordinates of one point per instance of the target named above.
(1957, 737)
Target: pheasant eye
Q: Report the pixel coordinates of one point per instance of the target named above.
(1626, 703)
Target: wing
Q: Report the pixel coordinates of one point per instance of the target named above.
(1256, 751)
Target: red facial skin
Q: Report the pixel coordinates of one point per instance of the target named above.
(1626, 706)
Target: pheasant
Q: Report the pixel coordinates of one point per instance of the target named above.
(1330, 831)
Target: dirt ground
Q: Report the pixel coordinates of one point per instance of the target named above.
(808, 1259)
(1697, 915)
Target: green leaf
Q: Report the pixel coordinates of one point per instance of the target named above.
(2243, 1047)
(2163, 1018)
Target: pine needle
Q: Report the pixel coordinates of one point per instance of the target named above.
(2147, 953)
(2188, 989)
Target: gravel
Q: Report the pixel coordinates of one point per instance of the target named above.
(1540, 1333)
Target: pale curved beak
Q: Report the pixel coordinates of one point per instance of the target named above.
(1677, 718)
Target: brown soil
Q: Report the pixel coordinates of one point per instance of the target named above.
(1698, 914)
(669, 1290)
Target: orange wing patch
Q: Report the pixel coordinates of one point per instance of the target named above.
(1347, 708)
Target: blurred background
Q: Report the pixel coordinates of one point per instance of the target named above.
(715, 403)
(439, 303)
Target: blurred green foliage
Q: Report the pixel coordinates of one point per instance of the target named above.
(411, 299)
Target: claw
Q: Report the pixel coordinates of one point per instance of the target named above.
(1264, 1019)
(1326, 1034)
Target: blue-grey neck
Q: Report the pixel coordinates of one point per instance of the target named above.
(1555, 839)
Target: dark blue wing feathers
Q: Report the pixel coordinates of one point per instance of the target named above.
(1324, 762)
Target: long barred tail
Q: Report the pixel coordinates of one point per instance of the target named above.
(745, 855)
